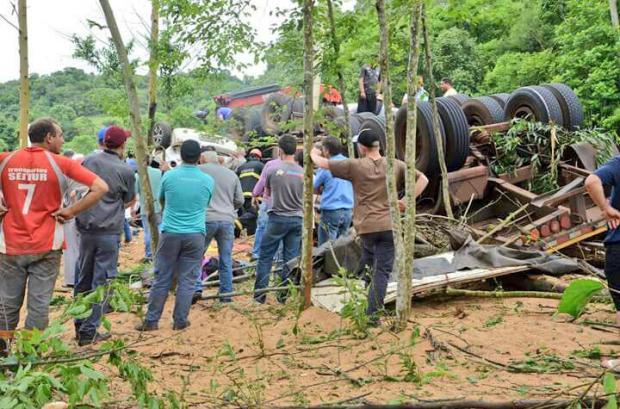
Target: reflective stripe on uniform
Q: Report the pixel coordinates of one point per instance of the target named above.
(249, 174)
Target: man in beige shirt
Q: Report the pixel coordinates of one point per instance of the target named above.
(371, 212)
(447, 88)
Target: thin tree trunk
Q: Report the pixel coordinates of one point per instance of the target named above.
(134, 114)
(153, 66)
(24, 81)
(445, 193)
(613, 11)
(306, 251)
(341, 83)
(390, 142)
(403, 296)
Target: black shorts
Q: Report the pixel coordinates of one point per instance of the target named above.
(612, 272)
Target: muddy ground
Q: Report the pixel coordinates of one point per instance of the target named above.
(248, 355)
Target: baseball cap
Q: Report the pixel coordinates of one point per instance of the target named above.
(256, 152)
(115, 136)
(190, 151)
(101, 134)
(368, 138)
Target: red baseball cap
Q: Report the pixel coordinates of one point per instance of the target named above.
(115, 136)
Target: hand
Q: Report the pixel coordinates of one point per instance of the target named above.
(255, 201)
(3, 209)
(164, 166)
(316, 151)
(363, 95)
(402, 205)
(612, 216)
(63, 215)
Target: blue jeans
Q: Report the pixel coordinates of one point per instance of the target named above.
(147, 233)
(261, 223)
(96, 264)
(334, 223)
(280, 229)
(224, 234)
(179, 254)
(127, 230)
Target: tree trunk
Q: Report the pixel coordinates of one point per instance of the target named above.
(391, 144)
(613, 10)
(306, 251)
(134, 113)
(153, 66)
(24, 81)
(403, 300)
(445, 193)
(341, 83)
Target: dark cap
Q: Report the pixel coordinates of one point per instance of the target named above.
(368, 138)
(190, 151)
(115, 136)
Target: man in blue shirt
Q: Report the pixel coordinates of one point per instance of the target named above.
(608, 175)
(336, 197)
(185, 194)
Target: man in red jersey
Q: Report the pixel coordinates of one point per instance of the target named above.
(33, 181)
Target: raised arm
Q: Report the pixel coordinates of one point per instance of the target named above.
(594, 186)
(318, 159)
(96, 191)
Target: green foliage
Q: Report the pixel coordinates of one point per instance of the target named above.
(355, 304)
(609, 387)
(577, 295)
(515, 68)
(42, 367)
(530, 143)
(541, 363)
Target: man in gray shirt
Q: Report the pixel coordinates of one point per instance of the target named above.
(220, 223)
(100, 227)
(285, 184)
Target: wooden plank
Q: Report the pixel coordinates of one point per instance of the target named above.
(575, 240)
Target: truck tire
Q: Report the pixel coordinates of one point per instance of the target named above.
(277, 109)
(297, 107)
(537, 103)
(426, 148)
(457, 132)
(162, 134)
(252, 123)
(483, 111)
(376, 125)
(572, 110)
(501, 99)
(460, 98)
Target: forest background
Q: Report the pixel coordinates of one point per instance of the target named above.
(484, 46)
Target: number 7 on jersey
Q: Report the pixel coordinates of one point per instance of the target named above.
(29, 187)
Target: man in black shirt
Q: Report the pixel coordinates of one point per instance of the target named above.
(369, 86)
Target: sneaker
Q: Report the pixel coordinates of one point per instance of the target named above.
(196, 297)
(95, 338)
(179, 327)
(145, 326)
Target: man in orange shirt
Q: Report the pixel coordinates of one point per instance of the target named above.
(33, 181)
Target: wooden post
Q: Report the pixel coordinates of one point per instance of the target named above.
(445, 193)
(403, 295)
(134, 113)
(390, 142)
(341, 83)
(306, 250)
(153, 66)
(24, 81)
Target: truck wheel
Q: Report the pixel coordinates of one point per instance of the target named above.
(162, 134)
(457, 132)
(460, 98)
(536, 103)
(483, 111)
(375, 124)
(501, 99)
(426, 149)
(277, 109)
(572, 110)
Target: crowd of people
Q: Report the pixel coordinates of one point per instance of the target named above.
(55, 202)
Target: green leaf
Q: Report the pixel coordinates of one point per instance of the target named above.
(280, 343)
(609, 387)
(577, 295)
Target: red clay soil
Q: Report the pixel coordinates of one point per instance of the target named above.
(247, 355)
